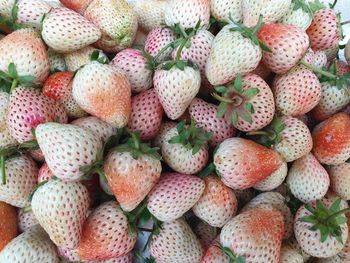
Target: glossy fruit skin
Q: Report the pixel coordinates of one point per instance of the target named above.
(8, 225)
(222, 10)
(150, 13)
(157, 39)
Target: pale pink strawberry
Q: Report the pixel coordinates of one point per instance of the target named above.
(174, 195)
(65, 30)
(187, 13)
(150, 13)
(164, 128)
(45, 173)
(133, 64)
(320, 59)
(293, 243)
(218, 203)
(223, 10)
(32, 11)
(204, 232)
(299, 14)
(76, 59)
(26, 219)
(61, 208)
(290, 255)
(6, 140)
(76, 5)
(297, 91)
(274, 180)
(68, 254)
(56, 61)
(20, 179)
(307, 179)
(176, 243)
(214, 254)
(340, 180)
(146, 115)
(128, 258)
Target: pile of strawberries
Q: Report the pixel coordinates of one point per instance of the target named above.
(173, 131)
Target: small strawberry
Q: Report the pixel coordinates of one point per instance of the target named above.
(6, 140)
(61, 208)
(101, 91)
(105, 234)
(55, 30)
(132, 181)
(340, 180)
(68, 149)
(146, 115)
(34, 245)
(274, 180)
(290, 255)
(31, 12)
(26, 219)
(288, 44)
(164, 128)
(176, 243)
(56, 61)
(332, 140)
(76, 5)
(8, 224)
(242, 163)
(174, 195)
(255, 235)
(59, 87)
(223, 10)
(150, 13)
(299, 14)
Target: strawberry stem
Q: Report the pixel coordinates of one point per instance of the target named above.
(163, 50)
(3, 175)
(345, 22)
(318, 70)
(221, 98)
(14, 84)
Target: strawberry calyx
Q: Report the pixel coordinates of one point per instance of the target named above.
(301, 4)
(191, 137)
(229, 253)
(235, 102)
(10, 80)
(98, 56)
(209, 170)
(316, 5)
(326, 220)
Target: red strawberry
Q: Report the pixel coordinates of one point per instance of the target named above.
(164, 128)
(32, 11)
(290, 255)
(146, 115)
(76, 59)
(222, 10)
(45, 173)
(105, 234)
(8, 224)
(274, 180)
(109, 100)
(340, 180)
(6, 140)
(218, 203)
(76, 5)
(255, 235)
(174, 195)
(59, 87)
(61, 208)
(287, 43)
(26, 219)
(56, 35)
(176, 243)
(243, 163)
(150, 13)
(332, 140)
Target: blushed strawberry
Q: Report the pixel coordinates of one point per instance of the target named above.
(76, 5)
(299, 14)
(19, 181)
(223, 10)
(32, 11)
(307, 179)
(255, 235)
(101, 91)
(274, 180)
(6, 140)
(56, 35)
(68, 149)
(340, 180)
(174, 195)
(132, 169)
(146, 115)
(176, 243)
(215, 254)
(187, 13)
(56, 61)
(342, 67)
(34, 244)
(61, 208)
(332, 140)
(135, 66)
(218, 203)
(290, 255)
(59, 87)
(105, 234)
(287, 43)
(242, 163)
(164, 128)
(26, 219)
(8, 224)
(150, 13)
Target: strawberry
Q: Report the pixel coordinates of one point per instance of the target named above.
(105, 234)
(68, 149)
(164, 128)
(322, 222)
(32, 11)
(307, 179)
(174, 195)
(320, 59)
(185, 148)
(215, 254)
(262, 71)
(81, 31)
(242, 163)
(290, 255)
(131, 182)
(255, 235)
(340, 179)
(187, 13)
(299, 14)
(8, 225)
(59, 87)
(33, 245)
(109, 100)
(150, 13)
(293, 243)
(332, 140)
(274, 180)
(45, 173)
(247, 103)
(76, 5)
(6, 140)
(176, 243)
(117, 21)
(61, 208)
(218, 203)
(135, 66)
(204, 232)
(26, 219)
(223, 10)
(297, 91)
(19, 180)
(6, 7)
(287, 43)
(146, 115)
(324, 31)
(56, 61)
(342, 67)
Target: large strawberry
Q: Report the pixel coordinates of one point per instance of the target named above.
(223, 10)
(61, 208)
(287, 43)
(105, 234)
(6, 140)
(340, 180)
(8, 224)
(139, 172)
(65, 30)
(68, 149)
(243, 163)
(150, 13)
(299, 14)
(103, 92)
(255, 235)
(176, 243)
